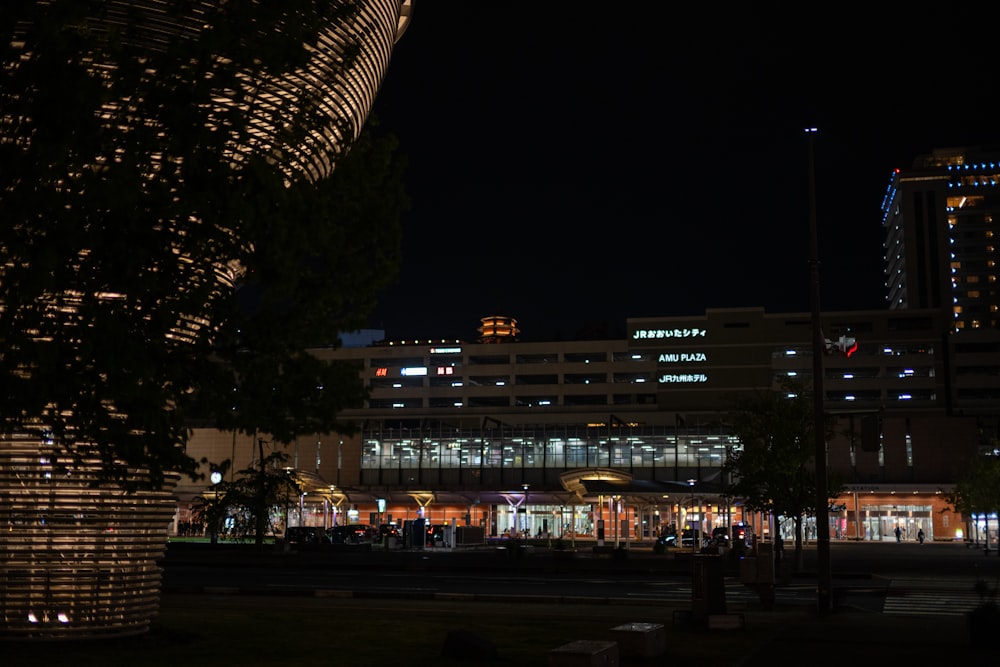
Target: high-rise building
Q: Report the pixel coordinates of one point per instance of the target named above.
(941, 238)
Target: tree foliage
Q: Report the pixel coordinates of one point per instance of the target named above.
(978, 492)
(248, 503)
(127, 211)
(262, 380)
(773, 468)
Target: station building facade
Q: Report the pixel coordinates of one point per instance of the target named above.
(617, 440)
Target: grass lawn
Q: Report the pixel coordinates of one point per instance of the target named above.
(265, 631)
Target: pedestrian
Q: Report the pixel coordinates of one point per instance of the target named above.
(920, 535)
(899, 534)
(779, 548)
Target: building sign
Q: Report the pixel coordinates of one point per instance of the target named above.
(654, 334)
(683, 378)
(446, 350)
(413, 370)
(682, 357)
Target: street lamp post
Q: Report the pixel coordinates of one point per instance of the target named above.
(823, 578)
(695, 533)
(288, 500)
(614, 514)
(216, 478)
(526, 527)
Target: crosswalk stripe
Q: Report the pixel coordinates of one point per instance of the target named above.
(929, 597)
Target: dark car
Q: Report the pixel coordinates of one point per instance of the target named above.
(720, 536)
(355, 534)
(389, 535)
(435, 535)
(664, 541)
(742, 535)
(688, 536)
(307, 537)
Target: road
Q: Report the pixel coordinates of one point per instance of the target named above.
(892, 578)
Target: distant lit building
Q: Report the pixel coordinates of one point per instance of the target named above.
(498, 329)
(941, 237)
(561, 436)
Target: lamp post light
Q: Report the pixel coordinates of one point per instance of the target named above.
(613, 512)
(288, 475)
(216, 478)
(824, 597)
(695, 532)
(526, 529)
(333, 506)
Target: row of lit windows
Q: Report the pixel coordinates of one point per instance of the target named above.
(833, 396)
(925, 349)
(518, 401)
(504, 380)
(506, 360)
(543, 453)
(455, 382)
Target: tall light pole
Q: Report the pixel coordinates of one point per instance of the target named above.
(526, 527)
(288, 477)
(615, 503)
(823, 593)
(216, 479)
(695, 532)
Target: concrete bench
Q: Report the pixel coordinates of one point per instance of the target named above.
(640, 640)
(585, 653)
(726, 621)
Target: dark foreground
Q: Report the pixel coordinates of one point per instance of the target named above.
(338, 627)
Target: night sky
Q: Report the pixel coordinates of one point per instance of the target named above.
(575, 164)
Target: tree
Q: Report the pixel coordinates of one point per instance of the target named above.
(138, 194)
(212, 511)
(261, 379)
(978, 492)
(772, 469)
(250, 501)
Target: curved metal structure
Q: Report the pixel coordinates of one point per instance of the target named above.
(79, 559)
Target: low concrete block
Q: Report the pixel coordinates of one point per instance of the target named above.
(726, 621)
(585, 653)
(640, 640)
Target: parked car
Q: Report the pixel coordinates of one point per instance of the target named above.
(720, 536)
(688, 537)
(664, 541)
(307, 537)
(390, 535)
(435, 535)
(742, 535)
(354, 534)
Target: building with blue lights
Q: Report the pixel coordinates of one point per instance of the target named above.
(941, 238)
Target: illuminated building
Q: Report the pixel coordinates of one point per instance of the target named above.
(941, 236)
(452, 430)
(498, 329)
(77, 560)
